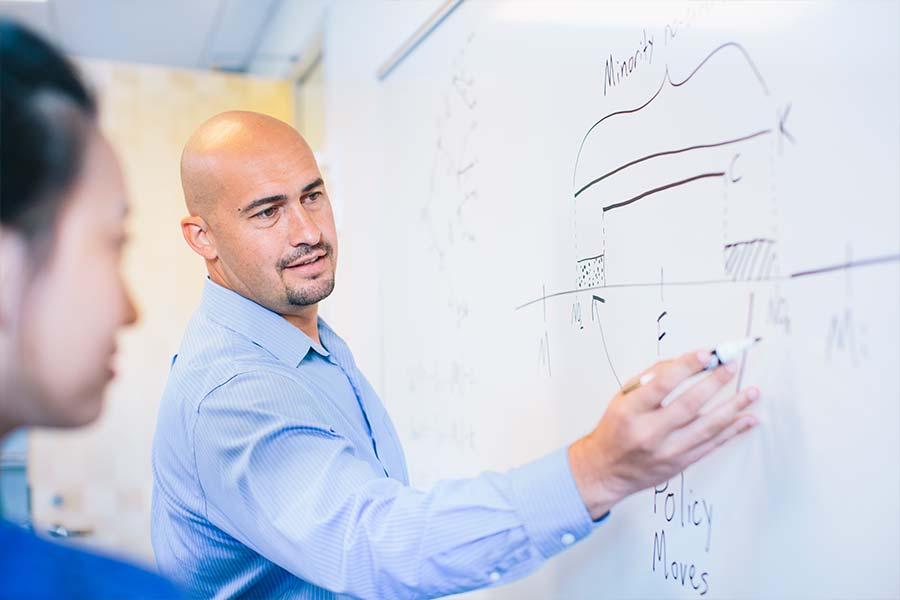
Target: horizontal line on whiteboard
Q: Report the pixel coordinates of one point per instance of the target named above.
(849, 265)
(621, 285)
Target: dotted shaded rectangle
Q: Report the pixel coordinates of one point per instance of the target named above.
(590, 272)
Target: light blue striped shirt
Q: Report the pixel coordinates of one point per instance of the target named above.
(278, 474)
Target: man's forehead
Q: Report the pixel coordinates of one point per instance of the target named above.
(241, 156)
(271, 168)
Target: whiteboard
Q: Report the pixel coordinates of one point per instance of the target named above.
(566, 193)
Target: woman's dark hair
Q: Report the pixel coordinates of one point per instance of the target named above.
(46, 114)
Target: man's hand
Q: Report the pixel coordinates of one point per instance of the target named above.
(639, 443)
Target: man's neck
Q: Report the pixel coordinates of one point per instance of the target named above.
(308, 322)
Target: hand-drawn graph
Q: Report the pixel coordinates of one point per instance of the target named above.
(601, 244)
(685, 157)
(704, 197)
(707, 160)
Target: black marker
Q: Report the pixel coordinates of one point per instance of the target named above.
(722, 354)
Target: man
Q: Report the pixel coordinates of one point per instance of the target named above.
(277, 470)
(62, 299)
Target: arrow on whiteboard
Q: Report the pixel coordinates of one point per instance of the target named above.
(782, 120)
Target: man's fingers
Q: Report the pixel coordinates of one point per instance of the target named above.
(706, 427)
(686, 407)
(642, 378)
(667, 375)
(738, 426)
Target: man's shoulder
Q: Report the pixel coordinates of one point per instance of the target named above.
(272, 389)
(35, 568)
(219, 371)
(212, 354)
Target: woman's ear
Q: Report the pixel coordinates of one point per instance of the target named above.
(13, 262)
(196, 233)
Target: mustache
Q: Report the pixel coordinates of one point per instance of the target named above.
(302, 252)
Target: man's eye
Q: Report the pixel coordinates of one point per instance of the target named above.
(268, 213)
(314, 196)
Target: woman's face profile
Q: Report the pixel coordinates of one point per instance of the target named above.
(74, 301)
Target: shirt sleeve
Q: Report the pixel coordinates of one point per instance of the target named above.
(278, 477)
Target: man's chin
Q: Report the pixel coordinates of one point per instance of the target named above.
(314, 293)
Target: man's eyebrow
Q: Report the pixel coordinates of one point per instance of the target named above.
(266, 200)
(281, 197)
(313, 185)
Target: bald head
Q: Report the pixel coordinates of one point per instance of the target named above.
(225, 148)
(260, 215)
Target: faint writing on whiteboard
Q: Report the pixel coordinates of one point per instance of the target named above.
(453, 183)
(455, 433)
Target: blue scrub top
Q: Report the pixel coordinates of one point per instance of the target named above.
(34, 568)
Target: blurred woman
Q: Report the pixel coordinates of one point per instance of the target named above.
(62, 299)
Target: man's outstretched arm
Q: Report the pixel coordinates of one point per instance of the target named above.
(278, 477)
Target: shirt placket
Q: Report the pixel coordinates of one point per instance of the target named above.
(362, 407)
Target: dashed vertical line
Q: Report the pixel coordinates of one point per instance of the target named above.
(744, 357)
(603, 238)
(544, 300)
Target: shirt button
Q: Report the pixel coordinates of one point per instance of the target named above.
(567, 539)
(495, 576)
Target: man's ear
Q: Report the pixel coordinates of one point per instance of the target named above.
(198, 236)
(13, 262)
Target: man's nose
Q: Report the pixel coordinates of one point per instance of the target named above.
(303, 228)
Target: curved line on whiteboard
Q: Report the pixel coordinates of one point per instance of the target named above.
(667, 79)
(606, 350)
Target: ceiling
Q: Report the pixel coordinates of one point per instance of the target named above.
(262, 37)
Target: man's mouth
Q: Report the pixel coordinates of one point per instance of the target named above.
(308, 260)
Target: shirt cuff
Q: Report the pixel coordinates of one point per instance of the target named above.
(550, 504)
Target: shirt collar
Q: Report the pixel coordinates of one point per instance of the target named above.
(256, 322)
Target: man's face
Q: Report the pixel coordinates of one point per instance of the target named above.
(273, 226)
(74, 303)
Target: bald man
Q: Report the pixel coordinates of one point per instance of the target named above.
(277, 471)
